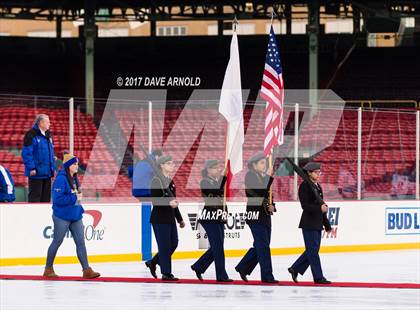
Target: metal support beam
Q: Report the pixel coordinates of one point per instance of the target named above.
(71, 125)
(417, 25)
(123, 11)
(153, 23)
(359, 154)
(150, 126)
(220, 22)
(58, 27)
(288, 14)
(313, 32)
(295, 180)
(89, 36)
(356, 20)
(418, 155)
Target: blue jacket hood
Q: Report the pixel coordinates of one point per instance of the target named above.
(62, 171)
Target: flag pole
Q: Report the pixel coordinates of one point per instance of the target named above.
(270, 164)
(226, 172)
(270, 157)
(227, 166)
(235, 23)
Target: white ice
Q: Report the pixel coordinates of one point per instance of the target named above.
(387, 266)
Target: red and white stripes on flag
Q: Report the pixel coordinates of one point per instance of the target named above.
(272, 91)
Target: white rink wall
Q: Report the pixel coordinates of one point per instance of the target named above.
(26, 231)
(113, 231)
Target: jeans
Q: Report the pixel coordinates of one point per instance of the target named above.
(60, 230)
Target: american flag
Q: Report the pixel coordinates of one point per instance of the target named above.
(272, 91)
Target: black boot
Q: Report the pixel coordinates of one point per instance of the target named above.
(294, 274)
(272, 281)
(242, 274)
(169, 277)
(322, 281)
(197, 274)
(152, 268)
(224, 280)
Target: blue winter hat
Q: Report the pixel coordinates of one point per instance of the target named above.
(69, 160)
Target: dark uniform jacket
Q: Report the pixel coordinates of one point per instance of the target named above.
(312, 216)
(162, 212)
(213, 193)
(257, 191)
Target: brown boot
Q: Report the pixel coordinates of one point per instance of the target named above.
(88, 273)
(49, 272)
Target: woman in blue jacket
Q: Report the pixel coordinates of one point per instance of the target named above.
(67, 215)
(7, 186)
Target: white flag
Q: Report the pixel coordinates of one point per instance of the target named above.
(231, 108)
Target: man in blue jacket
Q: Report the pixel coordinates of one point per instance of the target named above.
(142, 174)
(38, 158)
(7, 186)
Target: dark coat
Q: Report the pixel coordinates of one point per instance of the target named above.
(312, 216)
(38, 154)
(213, 193)
(257, 191)
(162, 212)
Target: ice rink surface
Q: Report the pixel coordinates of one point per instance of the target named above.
(381, 267)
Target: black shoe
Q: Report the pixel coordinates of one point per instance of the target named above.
(152, 268)
(293, 273)
(224, 280)
(243, 275)
(270, 281)
(197, 274)
(322, 281)
(169, 277)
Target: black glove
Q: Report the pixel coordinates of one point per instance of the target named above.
(328, 227)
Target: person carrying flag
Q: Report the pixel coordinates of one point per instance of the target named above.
(164, 213)
(213, 218)
(312, 222)
(257, 187)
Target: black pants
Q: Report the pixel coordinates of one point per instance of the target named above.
(39, 190)
(310, 257)
(259, 254)
(216, 254)
(167, 242)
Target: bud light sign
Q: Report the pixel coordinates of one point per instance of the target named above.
(402, 221)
